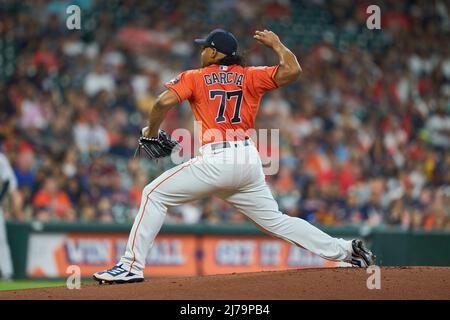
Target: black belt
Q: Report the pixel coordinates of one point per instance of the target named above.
(227, 144)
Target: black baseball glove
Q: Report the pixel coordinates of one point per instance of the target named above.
(156, 148)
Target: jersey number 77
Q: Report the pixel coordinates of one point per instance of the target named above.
(225, 96)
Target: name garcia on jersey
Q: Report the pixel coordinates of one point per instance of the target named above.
(224, 78)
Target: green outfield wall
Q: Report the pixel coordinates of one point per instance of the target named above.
(44, 250)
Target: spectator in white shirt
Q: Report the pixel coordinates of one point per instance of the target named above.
(99, 80)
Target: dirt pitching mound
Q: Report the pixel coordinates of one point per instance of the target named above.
(337, 283)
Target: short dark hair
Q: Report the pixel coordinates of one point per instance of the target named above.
(230, 60)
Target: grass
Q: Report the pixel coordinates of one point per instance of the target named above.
(31, 284)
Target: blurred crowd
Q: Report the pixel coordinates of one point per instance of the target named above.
(365, 132)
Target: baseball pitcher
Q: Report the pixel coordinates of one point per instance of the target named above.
(224, 96)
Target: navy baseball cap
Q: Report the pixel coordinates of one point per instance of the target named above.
(222, 40)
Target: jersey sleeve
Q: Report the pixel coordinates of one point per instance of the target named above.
(182, 85)
(263, 78)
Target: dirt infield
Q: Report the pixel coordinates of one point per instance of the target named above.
(337, 283)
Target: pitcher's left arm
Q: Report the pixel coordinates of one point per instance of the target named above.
(163, 104)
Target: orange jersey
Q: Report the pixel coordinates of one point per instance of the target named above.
(224, 99)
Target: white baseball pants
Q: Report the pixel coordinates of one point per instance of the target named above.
(6, 266)
(236, 175)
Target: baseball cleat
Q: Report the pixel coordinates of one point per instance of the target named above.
(117, 274)
(361, 256)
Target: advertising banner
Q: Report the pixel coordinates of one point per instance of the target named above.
(228, 254)
(50, 254)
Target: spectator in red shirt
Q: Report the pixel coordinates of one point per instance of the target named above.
(55, 202)
(45, 57)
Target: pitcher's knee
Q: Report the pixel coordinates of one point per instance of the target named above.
(152, 188)
(152, 195)
(147, 189)
(276, 224)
